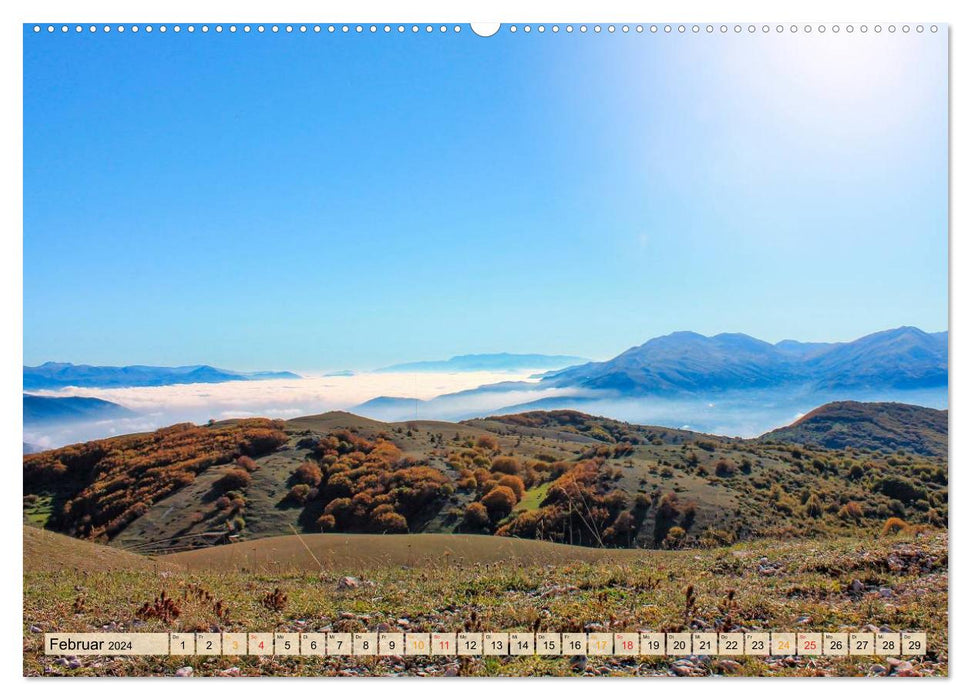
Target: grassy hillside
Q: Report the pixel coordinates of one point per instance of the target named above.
(96, 489)
(885, 427)
(847, 584)
(558, 476)
(347, 552)
(46, 551)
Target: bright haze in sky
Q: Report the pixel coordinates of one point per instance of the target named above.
(318, 201)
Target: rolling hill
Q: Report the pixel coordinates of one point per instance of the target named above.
(57, 375)
(388, 407)
(559, 476)
(316, 552)
(46, 551)
(884, 427)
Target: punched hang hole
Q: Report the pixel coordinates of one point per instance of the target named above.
(485, 29)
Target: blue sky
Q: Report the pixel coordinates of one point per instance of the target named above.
(328, 201)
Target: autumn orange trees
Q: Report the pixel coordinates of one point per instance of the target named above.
(476, 517)
(499, 502)
(308, 473)
(579, 509)
(233, 480)
(357, 484)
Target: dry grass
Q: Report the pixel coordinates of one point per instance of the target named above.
(340, 551)
(51, 552)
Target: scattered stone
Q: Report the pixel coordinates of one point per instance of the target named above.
(856, 586)
(878, 670)
(451, 670)
(886, 592)
(553, 591)
(184, 672)
(727, 665)
(578, 663)
(35, 629)
(232, 671)
(593, 627)
(683, 669)
(348, 582)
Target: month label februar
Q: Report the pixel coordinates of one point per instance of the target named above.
(90, 644)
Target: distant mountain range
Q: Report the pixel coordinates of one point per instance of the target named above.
(731, 383)
(494, 362)
(57, 375)
(689, 363)
(45, 410)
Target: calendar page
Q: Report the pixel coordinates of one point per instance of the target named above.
(571, 349)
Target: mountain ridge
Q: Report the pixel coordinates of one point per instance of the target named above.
(688, 362)
(58, 375)
(45, 410)
(498, 361)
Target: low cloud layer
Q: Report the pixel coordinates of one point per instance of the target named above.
(277, 398)
(443, 396)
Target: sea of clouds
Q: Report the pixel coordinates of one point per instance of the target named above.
(277, 398)
(441, 396)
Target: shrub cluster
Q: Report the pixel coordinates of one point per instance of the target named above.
(580, 508)
(355, 484)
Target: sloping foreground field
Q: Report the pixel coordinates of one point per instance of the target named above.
(898, 583)
(348, 552)
(49, 552)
